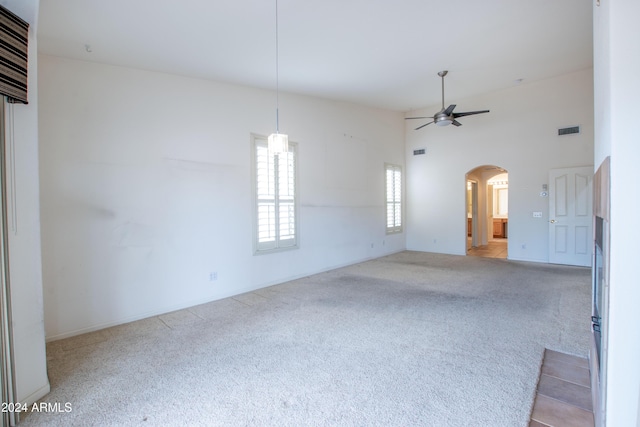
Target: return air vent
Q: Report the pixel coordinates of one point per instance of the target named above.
(420, 151)
(569, 131)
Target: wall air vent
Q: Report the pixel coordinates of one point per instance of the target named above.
(569, 131)
(420, 151)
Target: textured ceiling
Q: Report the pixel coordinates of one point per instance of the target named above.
(373, 52)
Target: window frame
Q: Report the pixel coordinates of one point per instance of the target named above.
(397, 199)
(278, 244)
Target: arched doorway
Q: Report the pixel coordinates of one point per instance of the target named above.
(487, 209)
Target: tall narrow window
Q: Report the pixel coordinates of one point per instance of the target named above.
(394, 198)
(275, 197)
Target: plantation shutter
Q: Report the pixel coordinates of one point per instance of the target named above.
(286, 200)
(275, 198)
(394, 198)
(266, 198)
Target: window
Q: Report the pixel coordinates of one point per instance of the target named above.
(394, 198)
(275, 197)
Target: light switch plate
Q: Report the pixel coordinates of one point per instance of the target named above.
(537, 214)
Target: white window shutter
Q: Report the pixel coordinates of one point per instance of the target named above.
(393, 175)
(275, 189)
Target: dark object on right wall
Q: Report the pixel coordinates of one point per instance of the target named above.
(14, 44)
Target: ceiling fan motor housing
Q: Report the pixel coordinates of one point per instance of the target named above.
(441, 119)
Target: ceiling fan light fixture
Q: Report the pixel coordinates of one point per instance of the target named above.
(442, 118)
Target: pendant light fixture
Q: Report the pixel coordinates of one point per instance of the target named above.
(278, 142)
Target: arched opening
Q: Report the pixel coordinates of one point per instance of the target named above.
(487, 209)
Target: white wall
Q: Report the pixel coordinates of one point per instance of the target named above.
(24, 228)
(146, 189)
(519, 135)
(617, 90)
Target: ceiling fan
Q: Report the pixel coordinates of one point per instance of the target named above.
(446, 117)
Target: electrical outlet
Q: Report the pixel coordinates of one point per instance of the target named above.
(213, 276)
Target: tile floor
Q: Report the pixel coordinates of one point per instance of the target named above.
(495, 248)
(563, 398)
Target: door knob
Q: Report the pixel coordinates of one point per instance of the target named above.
(553, 221)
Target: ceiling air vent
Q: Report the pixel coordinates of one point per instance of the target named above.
(418, 152)
(569, 131)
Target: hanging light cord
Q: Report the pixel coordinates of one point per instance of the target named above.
(277, 75)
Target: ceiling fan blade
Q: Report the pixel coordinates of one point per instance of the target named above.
(468, 113)
(456, 123)
(420, 127)
(411, 118)
(449, 109)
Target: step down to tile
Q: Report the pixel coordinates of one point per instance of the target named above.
(563, 397)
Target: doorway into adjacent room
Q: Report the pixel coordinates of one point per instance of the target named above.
(487, 211)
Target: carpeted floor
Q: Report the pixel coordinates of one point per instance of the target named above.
(411, 339)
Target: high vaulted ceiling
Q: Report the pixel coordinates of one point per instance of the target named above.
(381, 53)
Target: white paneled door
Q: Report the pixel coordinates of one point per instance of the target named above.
(571, 216)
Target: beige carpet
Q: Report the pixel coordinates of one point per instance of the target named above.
(411, 339)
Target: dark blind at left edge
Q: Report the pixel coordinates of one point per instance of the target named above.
(14, 43)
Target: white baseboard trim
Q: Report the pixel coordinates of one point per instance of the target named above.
(36, 395)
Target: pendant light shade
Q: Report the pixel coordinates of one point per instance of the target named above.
(278, 143)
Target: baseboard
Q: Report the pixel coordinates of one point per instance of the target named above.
(541, 261)
(37, 395)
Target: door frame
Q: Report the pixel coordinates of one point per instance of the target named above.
(474, 212)
(7, 366)
(481, 220)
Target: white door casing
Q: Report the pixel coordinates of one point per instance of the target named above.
(571, 216)
(474, 214)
